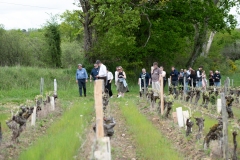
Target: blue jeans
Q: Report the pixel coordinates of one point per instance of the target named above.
(217, 84)
(82, 85)
(175, 83)
(186, 87)
(199, 83)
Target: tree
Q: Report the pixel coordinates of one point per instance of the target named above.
(71, 28)
(216, 17)
(53, 39)
(86, 18)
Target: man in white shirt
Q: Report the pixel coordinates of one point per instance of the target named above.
(102, 73)
(109, 83)
(189, 70)
(163, 73)
(116, 75)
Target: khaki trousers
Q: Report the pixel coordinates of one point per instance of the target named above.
(156, 86)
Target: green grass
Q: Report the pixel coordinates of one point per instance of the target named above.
(63, 138)
(4, 117)
(151, 144)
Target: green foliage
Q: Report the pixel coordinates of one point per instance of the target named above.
(141, 32)
(29, 77)
(53, 39)
(115, 44)
(71, 28)
(219, 57)
(72, 54)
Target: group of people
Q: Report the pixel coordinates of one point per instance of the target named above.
(185, 77)
(191, 77)
(153, 78)
(100, 71)
(199, 78)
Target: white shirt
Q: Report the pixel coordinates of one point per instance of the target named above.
(163, 73)
(102, 71)
(116, 76)
(198, 74)
(110, 76)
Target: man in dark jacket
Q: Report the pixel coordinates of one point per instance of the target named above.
(174, 78)
(145, 76)
(94, 72)
(217, 78)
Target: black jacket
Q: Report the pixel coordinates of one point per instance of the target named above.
(174, 75)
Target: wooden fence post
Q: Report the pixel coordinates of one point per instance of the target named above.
(140, 87)
(52, 102)
(185, 88)
(33, 117)
(192, 83)
(225, 121)
(144, 92)
(161, 95)
(41, 86)
(55, 87)
(169, 83)
(99, 108)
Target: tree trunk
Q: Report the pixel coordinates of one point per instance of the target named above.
(87, 33)
(200, 46)
(209, 43)
(87, 21)
(199, 39)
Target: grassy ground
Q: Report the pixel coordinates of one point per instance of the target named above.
(65, 136)
(209, 122)
(151, 144)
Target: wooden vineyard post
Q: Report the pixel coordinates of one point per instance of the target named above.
(41, 86)
(225, 121)
(169, 83)
(225, 127)
(184, 88)
(192, 83)
(144, 82)
(161, 94)
(140, 87)
(33, 117)
(55, 87)
(99, 108)
(52, 103)
(41, 90)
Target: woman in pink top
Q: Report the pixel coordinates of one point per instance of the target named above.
(204, 83)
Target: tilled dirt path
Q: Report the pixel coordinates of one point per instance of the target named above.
(11, 150)
(122, 144)
(191, 149)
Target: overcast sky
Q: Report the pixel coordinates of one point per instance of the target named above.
(24, 14)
